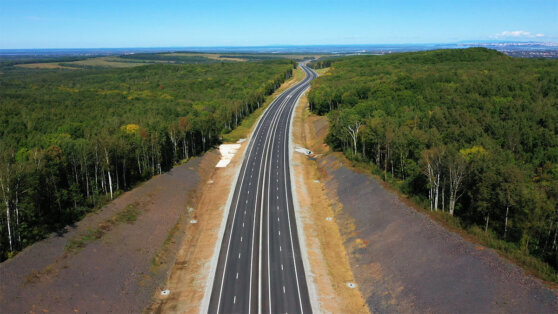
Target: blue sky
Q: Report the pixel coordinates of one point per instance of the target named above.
(117, 23)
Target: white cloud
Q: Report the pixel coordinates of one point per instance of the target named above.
(507, 34)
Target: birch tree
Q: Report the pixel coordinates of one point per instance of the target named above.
(456, 166)
(432, 160)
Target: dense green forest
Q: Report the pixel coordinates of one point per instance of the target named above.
(72, 139)
(470, 132)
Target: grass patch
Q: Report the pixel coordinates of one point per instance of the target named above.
(322, 71)
(248, 122)
(161, 257)
(35, 275)
(128, 215)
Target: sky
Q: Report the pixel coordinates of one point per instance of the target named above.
(206, 23)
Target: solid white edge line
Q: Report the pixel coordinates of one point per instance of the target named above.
(313, 295)
(204, 308)
(290, 118)
(268, 166)
(267, 144)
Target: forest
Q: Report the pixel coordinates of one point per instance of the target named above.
(71, 140)
(468, 132)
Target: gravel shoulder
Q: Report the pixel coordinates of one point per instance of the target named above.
(112, 260)
(329, 263)
(404, 262)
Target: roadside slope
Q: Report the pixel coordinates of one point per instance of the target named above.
(405, 262)
(113, 259)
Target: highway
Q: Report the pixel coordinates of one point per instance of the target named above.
(260, 269)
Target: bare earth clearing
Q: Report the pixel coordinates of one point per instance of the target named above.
(114, 259)
(324, 244)
(404, 262)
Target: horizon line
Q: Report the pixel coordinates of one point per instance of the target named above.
(463, 42)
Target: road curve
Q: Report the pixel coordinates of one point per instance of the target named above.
(260, 269)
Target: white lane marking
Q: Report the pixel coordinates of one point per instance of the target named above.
(248, 191)
(249, 183)
(267, 151)
(279, 232)
(246, 201)
(283, 289)
(261, 127)
(240, 239)
(258, 128)
(285, 160)
(280, 249)
(277, 218)
(281, 267)
(268, 135)
(237, 275)
(245, 212)
(234, 300)
(242, 225)
(238, 255)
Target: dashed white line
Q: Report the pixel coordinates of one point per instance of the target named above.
(234, 300)
(238, 255)
(236, 275)
(281, 267)
(240, 239)
(283, 289)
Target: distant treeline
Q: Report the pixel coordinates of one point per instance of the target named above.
(13, 60)
(71, 140)
(471, 132)
(320, 64)
(168, 57)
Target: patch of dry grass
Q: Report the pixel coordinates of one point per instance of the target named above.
(325, 243)
(44, 65)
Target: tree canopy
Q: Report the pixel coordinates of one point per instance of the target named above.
(471, 131)
(71, 139)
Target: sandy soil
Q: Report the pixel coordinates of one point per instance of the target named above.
(324, 244)
(119, 268)
(404, 262)
(188, 277)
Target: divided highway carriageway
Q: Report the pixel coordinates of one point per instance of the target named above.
(260, 268)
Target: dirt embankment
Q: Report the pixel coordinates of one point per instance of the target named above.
(189, 275)
(112, 260)
(329, 264)
(404, 262)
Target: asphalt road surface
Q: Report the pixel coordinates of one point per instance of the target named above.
(260, 268)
